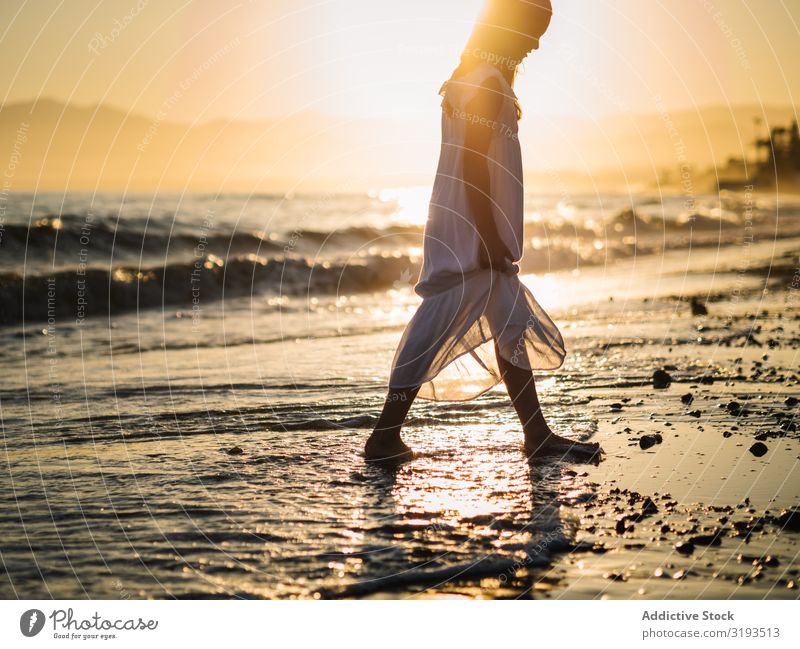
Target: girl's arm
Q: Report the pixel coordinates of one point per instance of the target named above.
(481, 118)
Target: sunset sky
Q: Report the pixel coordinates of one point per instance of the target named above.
(272, 94)
(373, 58)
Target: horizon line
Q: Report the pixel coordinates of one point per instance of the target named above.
(795, 107)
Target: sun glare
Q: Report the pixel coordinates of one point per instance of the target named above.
(389, 56)
(411, 204)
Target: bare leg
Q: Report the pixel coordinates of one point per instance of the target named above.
(539, 439)
(385, 443)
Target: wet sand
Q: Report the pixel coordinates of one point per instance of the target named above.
(698, 493)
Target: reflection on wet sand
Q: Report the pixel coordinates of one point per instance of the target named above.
(465, 518)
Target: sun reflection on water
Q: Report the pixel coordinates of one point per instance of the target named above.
(457, 486)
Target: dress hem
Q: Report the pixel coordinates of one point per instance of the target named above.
(482, 392)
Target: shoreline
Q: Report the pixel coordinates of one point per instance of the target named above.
(698, 493)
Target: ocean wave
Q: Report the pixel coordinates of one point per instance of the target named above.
(74, 295)
(109, 273)
(69, 240)
(64, 241)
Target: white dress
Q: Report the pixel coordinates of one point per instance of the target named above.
(447, 347)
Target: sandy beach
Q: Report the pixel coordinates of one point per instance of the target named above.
(697, 494)
(216, 453)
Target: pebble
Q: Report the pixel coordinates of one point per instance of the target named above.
(789, 519)
(697, 307)
(614, 576)
(661, 379)
(622, 526)
(648, 506)
(646, 441)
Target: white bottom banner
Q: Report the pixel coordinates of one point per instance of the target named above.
(397, 623)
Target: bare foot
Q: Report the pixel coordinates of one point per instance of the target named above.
(543, 441)
(381, 448)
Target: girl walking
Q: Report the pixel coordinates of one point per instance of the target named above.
(478, 324)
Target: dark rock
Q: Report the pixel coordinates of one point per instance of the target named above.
(789, 519)
(758, 449)
(687, 399)
(236, 450)
(733, 407)
(649, 507)
(614, 576)
(684, 547)
(697, 307)
(695, 413)
(791, 401)
(661, 380)
(727, 433)
(646, 441)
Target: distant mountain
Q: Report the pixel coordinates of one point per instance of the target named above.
(53, 146)
(84, 147)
